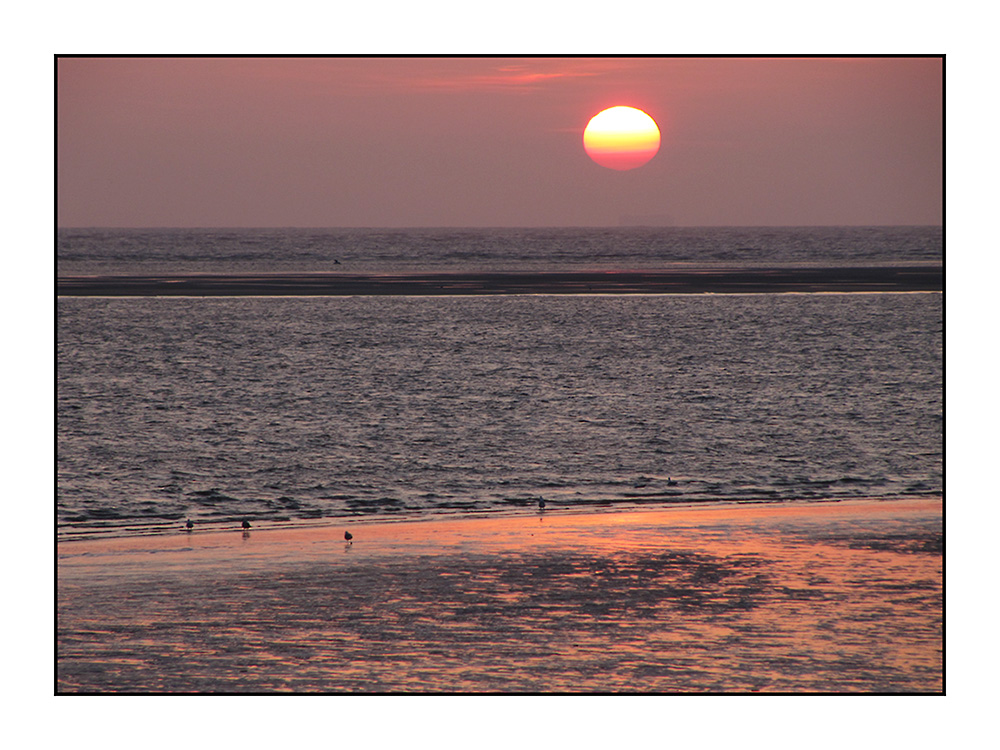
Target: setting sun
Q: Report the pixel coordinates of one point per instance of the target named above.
(621, 138)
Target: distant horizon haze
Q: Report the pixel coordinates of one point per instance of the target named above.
(497, 226)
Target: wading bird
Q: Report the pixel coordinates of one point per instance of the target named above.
(246, 524)
(348, 536)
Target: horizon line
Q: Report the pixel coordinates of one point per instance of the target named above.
(496, 226)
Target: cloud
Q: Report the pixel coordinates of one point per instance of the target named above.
(471, 75)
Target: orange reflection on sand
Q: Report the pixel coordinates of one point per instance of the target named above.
(837, 598)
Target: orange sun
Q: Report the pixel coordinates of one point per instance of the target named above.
(621, 138)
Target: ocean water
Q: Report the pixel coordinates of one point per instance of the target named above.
(181, 251)
(293, 409)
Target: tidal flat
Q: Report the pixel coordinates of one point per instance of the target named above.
(837, 597)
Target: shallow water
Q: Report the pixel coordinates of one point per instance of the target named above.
(831, 598)
(276, 408)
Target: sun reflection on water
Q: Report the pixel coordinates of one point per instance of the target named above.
(844, 600)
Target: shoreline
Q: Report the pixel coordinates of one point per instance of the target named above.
(275, 537)
(70, 534)
(838, 597)
(904, 278)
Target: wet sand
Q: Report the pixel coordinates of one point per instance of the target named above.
(839, 597)
(916, 278)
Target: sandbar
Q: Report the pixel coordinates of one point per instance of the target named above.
(686, 280)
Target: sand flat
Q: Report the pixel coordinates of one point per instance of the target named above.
(684, 280)
(791, 597)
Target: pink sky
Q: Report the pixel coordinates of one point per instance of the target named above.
(408, 142)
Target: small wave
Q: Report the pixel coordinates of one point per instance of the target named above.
(377, 505)
(212, 497)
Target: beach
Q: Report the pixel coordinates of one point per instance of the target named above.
(792, 597)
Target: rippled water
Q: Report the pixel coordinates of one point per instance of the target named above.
(240, 251)
(279, 408)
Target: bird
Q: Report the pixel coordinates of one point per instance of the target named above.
(670, 482)
(541, 503)
(246, 524)
(348, 536)
(189, 524)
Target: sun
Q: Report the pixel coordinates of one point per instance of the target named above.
(621, 138)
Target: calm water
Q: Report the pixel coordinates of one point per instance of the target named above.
(279, 408)
(169, 251)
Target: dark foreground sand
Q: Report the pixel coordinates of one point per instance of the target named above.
(914, 278)
(817, 597)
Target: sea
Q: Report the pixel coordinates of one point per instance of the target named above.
(296, 410)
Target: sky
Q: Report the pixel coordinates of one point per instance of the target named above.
(481, 142)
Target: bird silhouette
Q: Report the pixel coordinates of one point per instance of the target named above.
(189, 524)
(541, 503)
(246, 524)
(348, 536)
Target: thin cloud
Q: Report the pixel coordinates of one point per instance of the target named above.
(529, 76)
